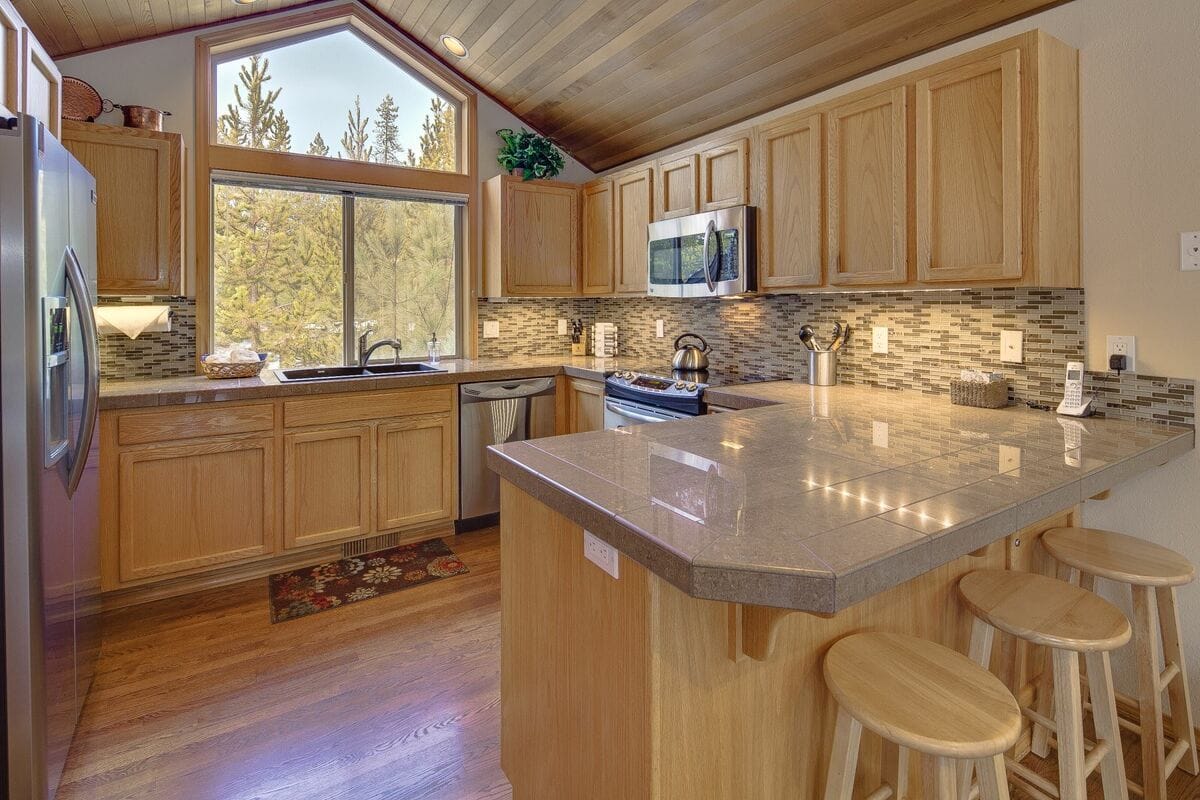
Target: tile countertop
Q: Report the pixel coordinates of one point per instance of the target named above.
(199, 389)
(830, 495)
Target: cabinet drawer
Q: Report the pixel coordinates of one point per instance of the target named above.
(165, 425)
(360, 406)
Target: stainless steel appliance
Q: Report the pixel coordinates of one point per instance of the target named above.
(689, 356)
(703, 255)
(632, 398)
(494, 413)
(49, 487)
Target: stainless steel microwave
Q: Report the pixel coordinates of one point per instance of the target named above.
(703, 255)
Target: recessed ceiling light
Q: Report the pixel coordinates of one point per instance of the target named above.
(454, 46)
(244, 2)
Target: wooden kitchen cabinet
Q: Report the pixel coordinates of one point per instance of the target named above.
(676, 186)
(585, 405)
(597, 212)
(327, 485)
(866, 180)
(41, 93)
(139, 214)
(416, 471)
(725, 174)
(189, 506)
(531, 238)
(11, 60)
(788, 194)
(633, 206)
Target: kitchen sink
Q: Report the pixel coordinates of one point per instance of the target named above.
(303, 374)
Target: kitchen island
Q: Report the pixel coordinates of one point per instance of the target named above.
(748, 542)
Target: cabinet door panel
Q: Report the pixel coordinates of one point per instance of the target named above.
(587, 406)
(416, 471)
(968, 175)
(42, 95)
(598, 238)
(790, 238)
(195, 506)
(724, 175)
(11, 60)
(678, 187)
(542, 238)
(633, 203)
(327, 486)
(867, 190)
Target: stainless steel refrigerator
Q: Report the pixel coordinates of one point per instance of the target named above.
(49, 390)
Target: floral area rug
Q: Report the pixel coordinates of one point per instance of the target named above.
(338, 583)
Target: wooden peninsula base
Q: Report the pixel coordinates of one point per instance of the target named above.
(621, 689)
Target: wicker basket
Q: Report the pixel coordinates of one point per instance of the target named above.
(244, 369)
(993, 394)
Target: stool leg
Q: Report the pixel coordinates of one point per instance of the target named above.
(993, 779)
(940, 777)
(982, 637)
(1181, 697)
(895, 769)
(1104, 712)
(1044, 705)
(1069, 719)
(1154, 779)
(843, 759)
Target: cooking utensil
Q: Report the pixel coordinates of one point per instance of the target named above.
(80, 101)
(143, 117)
(843, 336)
(812, 337)
(689, 356)
(806, 337)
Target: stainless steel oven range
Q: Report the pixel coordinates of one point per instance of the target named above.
(632, 398)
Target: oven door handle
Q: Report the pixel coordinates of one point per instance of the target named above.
(710, 230)
(622, 411)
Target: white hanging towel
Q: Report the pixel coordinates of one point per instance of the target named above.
(133, 321)
(504, 418)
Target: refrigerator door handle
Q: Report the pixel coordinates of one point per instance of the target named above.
(77, 282)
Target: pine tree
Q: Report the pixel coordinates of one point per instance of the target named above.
(438, 135)
(318, 147)
(281, 134)
(387, 133)
(355, 139)
(250, 119)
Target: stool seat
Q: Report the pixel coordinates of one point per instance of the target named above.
(922, 695)
(1118, 557)
(1045, 611)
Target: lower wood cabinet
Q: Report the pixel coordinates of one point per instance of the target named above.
(585, 404)
(189, 506)
(187, 491)
(327, 485)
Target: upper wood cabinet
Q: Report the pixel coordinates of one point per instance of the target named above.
(676, 186)
(11, 59)
(633, 204)
(725, 174)
(41, 95)
(968, 171)
(866, 179)
(139, 214)
(531, 238)
(597, 203)
(787, 178)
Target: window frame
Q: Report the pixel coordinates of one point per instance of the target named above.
(213, 159)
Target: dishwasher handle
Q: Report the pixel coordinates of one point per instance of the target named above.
(503, 390)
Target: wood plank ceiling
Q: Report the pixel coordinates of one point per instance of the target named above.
(609, 80)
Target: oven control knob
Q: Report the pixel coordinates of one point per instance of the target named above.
(691, 387)
(679, 384)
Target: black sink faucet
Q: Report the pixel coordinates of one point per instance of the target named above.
(364, 352)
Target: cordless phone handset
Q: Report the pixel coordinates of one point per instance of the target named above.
(1074, 404)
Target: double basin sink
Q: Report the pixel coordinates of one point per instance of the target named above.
(343, 373)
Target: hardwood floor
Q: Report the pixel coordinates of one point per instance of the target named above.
(202, 698)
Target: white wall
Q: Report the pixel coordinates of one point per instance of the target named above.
(161, 73)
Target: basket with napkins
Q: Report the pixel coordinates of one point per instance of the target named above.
(235, 361)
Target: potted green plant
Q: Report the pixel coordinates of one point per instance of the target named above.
(528, 154)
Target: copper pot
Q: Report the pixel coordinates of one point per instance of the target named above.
(143, 117)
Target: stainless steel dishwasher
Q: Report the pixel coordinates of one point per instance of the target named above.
(494, 413)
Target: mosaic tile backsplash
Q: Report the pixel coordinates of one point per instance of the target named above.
(153, 355)
(932, 336)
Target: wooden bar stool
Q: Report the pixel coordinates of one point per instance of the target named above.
(1153, 573)
(1069, 621)
(921, 696)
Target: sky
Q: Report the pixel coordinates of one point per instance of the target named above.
(320, 78)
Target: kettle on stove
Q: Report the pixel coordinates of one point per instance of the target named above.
(689, 356)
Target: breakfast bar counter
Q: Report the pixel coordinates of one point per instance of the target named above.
(747, 543)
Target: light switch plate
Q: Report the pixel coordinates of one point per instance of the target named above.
(602, 554)
(491, 329)
(1189, 251)
(879, 433)
(879, 339)
(1010, 459)
(562, 327)
(1012, 347)
(658, 328)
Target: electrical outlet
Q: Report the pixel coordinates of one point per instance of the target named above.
(1123, 346)
(879, 433)
(491, 329)
(658, 328)
(1189, 251)
(1012, 347)
(602, 554)
(879, 339)
(562, 327)
(1010, 459)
